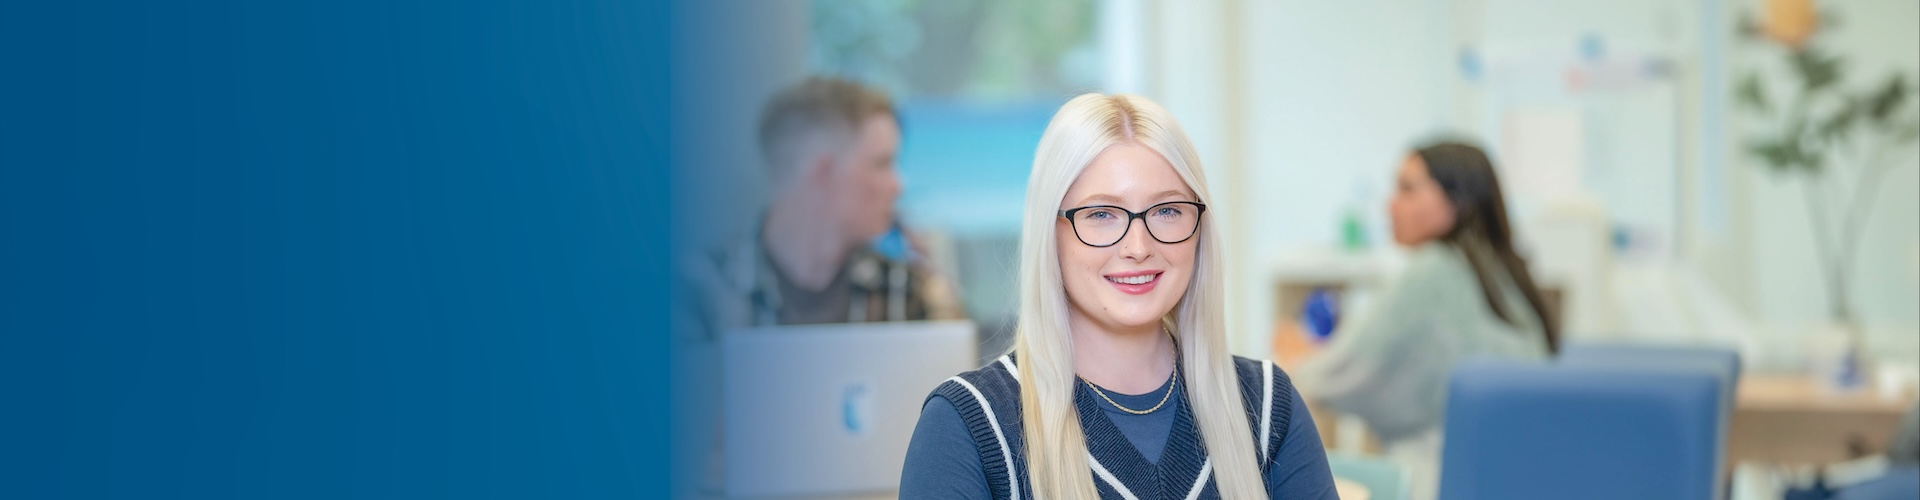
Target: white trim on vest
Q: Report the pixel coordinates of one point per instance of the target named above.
(1266, 410)
(1012, 475)
(1101, 470)
(1200, 484)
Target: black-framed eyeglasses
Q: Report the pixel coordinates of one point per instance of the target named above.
(1104, 225)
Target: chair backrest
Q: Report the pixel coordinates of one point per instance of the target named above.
(1537, 430)
(1722, 361)
(1900, 482)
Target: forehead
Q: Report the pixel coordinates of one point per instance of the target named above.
(1128, 174)
(879, 129)
(1413, 166)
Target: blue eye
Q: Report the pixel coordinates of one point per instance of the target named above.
(1100, 215)
(1167, 212)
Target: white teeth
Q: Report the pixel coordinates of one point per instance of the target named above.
(1134, 280)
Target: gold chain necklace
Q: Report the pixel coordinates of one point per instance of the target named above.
(1163, 399)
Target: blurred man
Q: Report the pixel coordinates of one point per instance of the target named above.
(829, 147)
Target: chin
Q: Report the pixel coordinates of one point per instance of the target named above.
(1137, 316)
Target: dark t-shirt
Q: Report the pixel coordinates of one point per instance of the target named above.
(865, 288)
(800, 306)
(942, 461)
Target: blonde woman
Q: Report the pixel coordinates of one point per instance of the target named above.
(1119, 384)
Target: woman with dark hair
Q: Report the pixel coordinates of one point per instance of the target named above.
(1465, 293)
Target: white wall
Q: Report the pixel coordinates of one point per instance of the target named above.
(1283, 100)
(1781, 283)
(1315, 102)
(1335, 93)
(1190, 70)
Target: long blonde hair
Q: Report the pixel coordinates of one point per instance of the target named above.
(1057, 457)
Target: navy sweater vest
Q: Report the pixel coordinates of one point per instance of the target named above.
(988, 400)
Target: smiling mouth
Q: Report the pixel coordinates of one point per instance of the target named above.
(1134, 280)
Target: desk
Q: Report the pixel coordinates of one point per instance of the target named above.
(1348, 490)
(1789, 419)
(1292, 349)
(1296, 273)
(1782, 419)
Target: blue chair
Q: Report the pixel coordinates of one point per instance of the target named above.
(1722, 361)
(1384, 480)
(1901, 482)
(1536, 430)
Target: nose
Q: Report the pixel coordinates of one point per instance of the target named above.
(1137, 244)
(894, 184)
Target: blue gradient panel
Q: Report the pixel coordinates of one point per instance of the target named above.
(340, 249)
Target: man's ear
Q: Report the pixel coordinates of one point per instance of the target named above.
(818, 168)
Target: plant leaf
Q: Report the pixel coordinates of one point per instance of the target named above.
(1835, 127)
(1784, 155)
(1889, 98)
(1751, 93)
(1817, 70)
(1809, 161)
(1773, 153)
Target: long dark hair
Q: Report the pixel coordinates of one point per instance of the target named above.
(1480, 227)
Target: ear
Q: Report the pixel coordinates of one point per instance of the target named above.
(818, 169)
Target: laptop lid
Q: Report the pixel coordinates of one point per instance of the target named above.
(829, 409)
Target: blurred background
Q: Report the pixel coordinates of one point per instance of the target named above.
(1640, 141)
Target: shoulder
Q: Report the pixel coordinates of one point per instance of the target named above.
(1259, 373)
(987, 404)
(715, 285)
(1435, 255)
(1434, 273)
(727, 265)
(989, 391)
(1437, 261)
(1267, 392)
(943, 461)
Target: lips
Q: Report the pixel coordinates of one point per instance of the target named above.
(1134, 282)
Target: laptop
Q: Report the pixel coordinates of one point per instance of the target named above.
(817, 410)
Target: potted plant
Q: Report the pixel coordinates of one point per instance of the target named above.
(1838, 141)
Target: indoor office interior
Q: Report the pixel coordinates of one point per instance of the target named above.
(1711, 194)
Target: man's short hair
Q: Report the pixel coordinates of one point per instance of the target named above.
(821, 107)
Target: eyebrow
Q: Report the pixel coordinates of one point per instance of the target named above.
(1107, 198)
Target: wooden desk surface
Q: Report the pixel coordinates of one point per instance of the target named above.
(1777, 418)
(1790, 419)
(1792, 392)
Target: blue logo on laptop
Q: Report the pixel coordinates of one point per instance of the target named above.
(856, 408)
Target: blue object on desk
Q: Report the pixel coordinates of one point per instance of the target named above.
(1539, 430)
(1321, 314)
